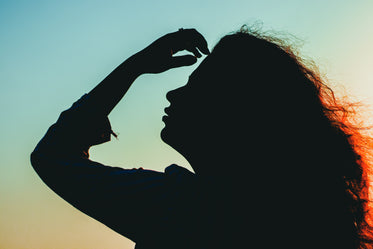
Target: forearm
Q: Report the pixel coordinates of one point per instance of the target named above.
(107, 94)
(85, 123)
(156, 58)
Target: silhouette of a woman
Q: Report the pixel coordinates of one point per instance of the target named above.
(277, 164)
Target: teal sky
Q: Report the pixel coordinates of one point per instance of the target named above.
(52, 52)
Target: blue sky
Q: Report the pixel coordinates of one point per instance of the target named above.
(51, 52)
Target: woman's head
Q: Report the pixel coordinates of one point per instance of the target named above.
(254, 109)
(249, 90)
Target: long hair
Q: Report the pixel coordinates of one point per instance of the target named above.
(335, 145)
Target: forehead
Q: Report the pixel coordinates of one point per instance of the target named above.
(204, 70)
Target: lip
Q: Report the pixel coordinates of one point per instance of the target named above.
(167, 110)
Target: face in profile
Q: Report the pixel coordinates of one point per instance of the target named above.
(184, 114)
(203, 114)
(190, 118)
(234, 97)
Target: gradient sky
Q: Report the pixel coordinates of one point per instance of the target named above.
(51, 52)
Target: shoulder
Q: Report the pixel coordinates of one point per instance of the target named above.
(178, 176)
(176, 170)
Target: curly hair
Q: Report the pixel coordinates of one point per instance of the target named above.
(343, 142)
(342, 116)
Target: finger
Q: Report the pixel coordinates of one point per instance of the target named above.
(198, 40)
(194, 51)
(189, 39)
(184, 60)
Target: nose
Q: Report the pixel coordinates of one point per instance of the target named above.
(171, 95)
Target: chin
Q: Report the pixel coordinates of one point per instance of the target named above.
(167, 136)
(164, 135)
(171, 138)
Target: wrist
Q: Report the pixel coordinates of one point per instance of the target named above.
(133, 66)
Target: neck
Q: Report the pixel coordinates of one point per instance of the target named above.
(209, 164)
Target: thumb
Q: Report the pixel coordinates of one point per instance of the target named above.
(184, 60)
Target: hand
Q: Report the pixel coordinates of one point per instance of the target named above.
(159, 56)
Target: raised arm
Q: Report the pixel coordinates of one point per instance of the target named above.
(115, 196)
(156, 58)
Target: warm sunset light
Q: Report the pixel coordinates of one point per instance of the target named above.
(52, 52)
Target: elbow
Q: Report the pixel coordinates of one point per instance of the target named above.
(38, 158)
(39, 162)
(35, 159)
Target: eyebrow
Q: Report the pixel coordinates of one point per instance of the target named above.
(191, 75)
